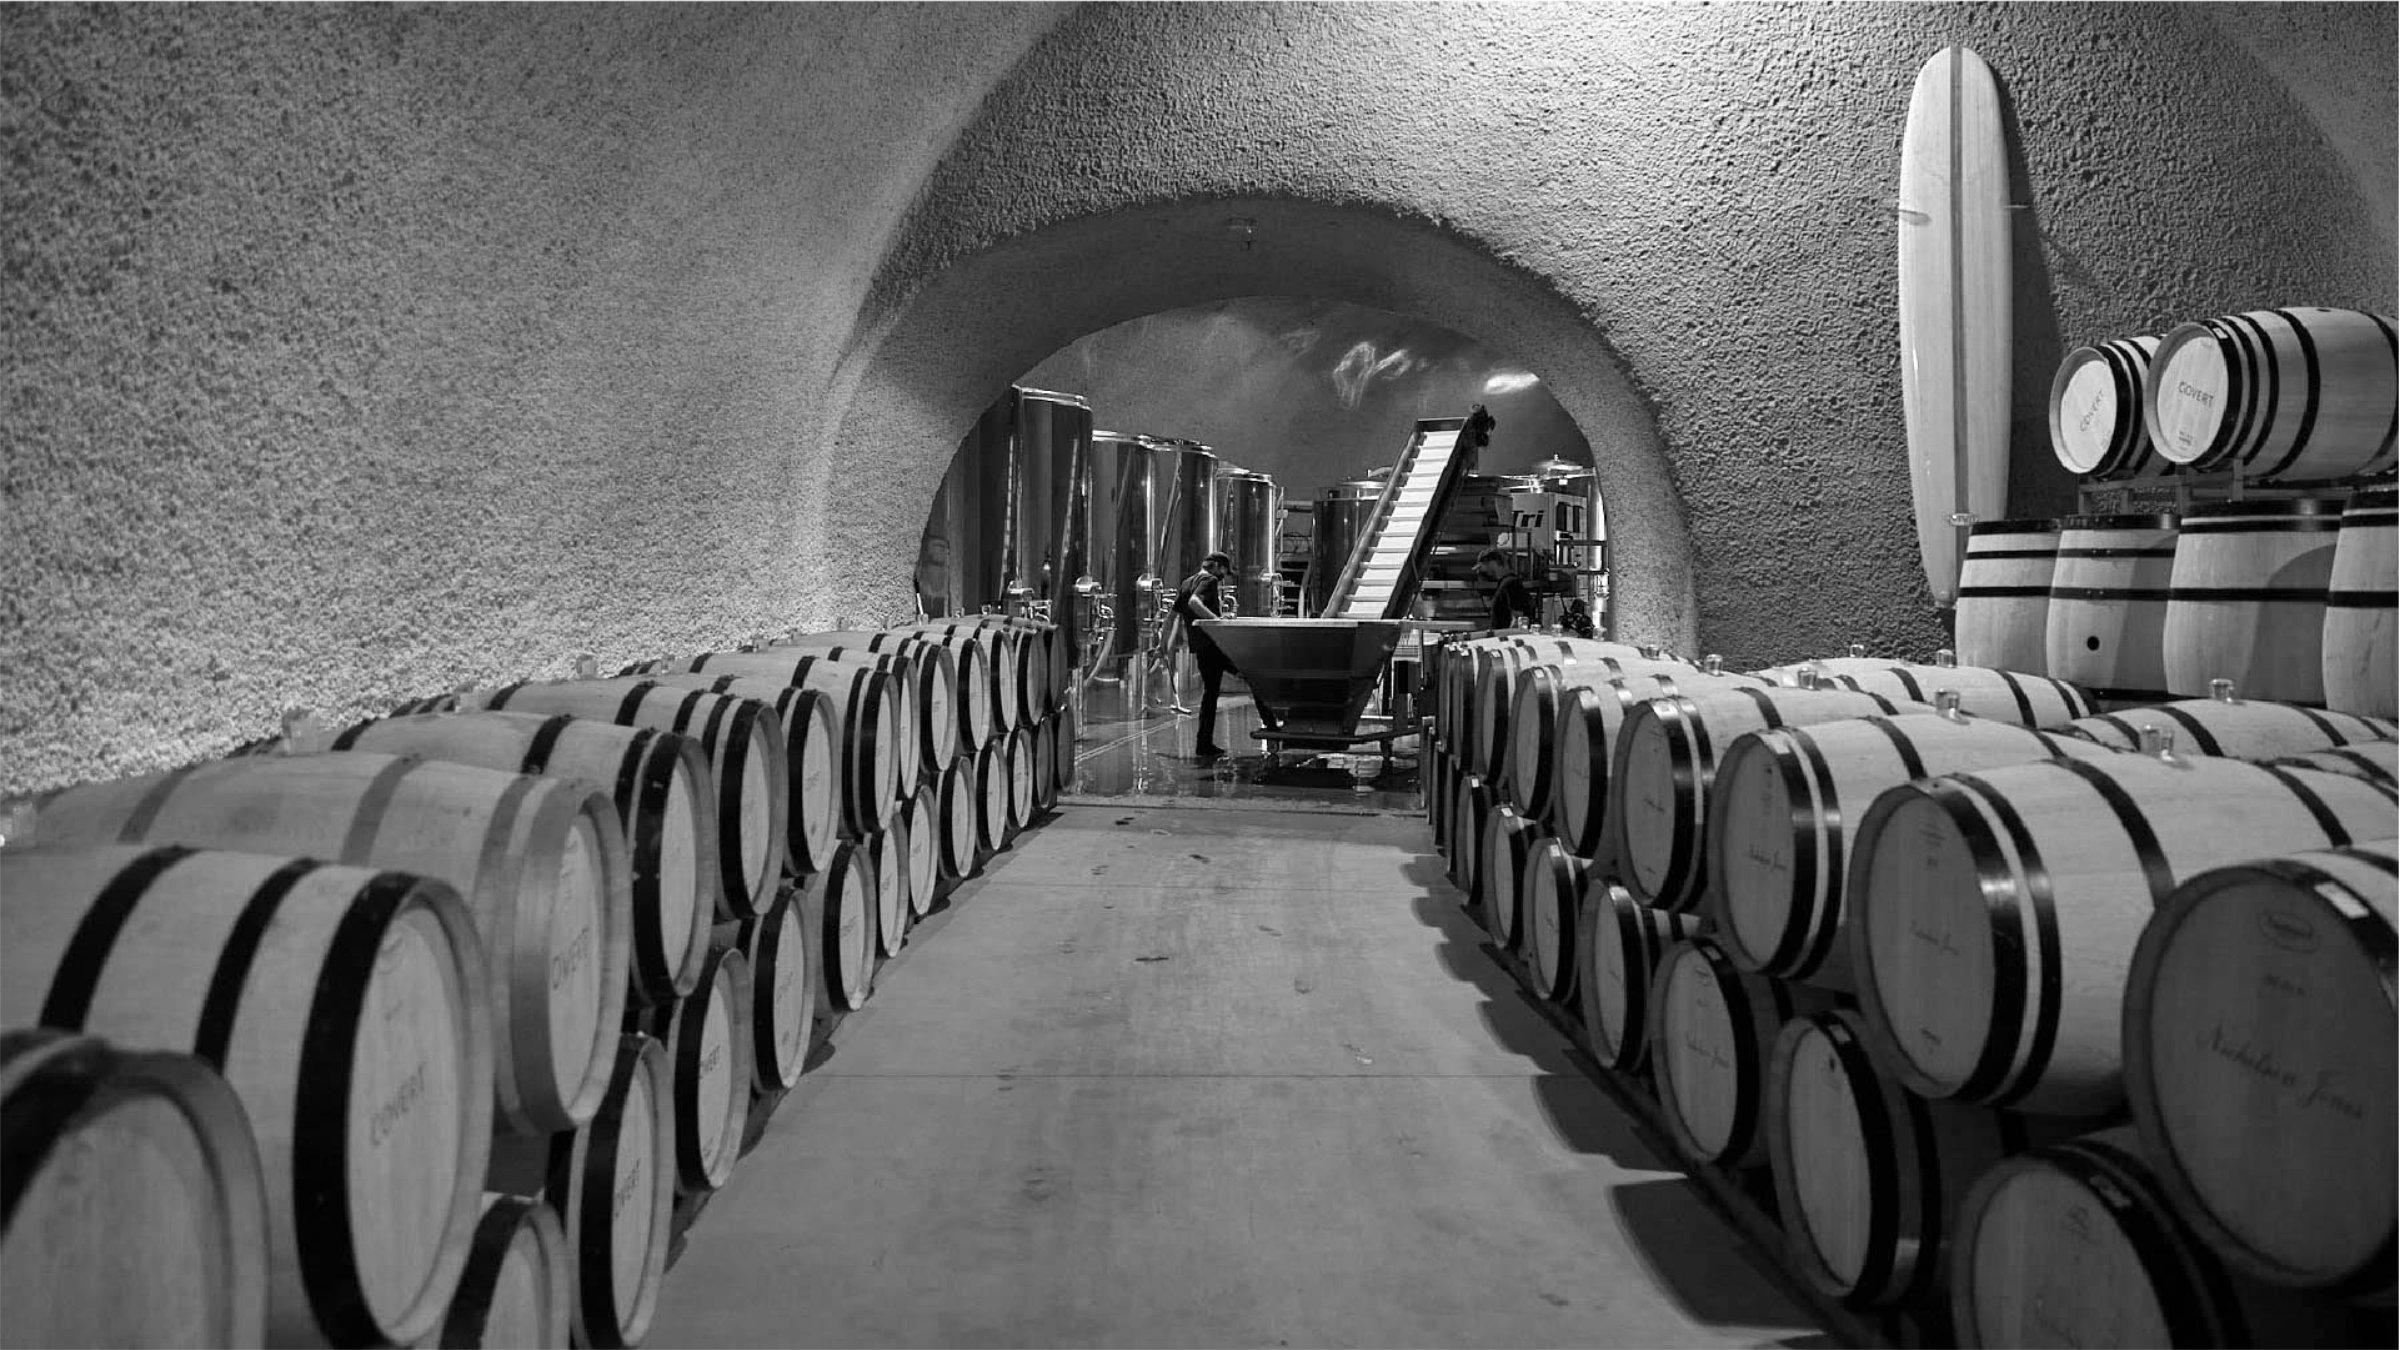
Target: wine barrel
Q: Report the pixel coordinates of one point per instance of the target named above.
(359, 1041)
(1045, 663)
(2232, 728)
(2074, 1244)
(939, 685)
(1783, 822)
(1024, 683)
(1021, 773)
(136, 1210)
(2097, 427)
(2376, 761)
(992, 796)
(1711, 1028)
(1552, 887)
(960, 832)
(660, 783)
(2246, 602)
(1439, 788)
(2258, 1059)
(920, 824)
(612, 1183)
(1993, 914)
(1588, 735)
(783, 990)
(540, 862)
(2361, 627)
(2003, 616)
(1867, 1173)
(767, 771)
(518, 1288)
(2108, 606)
(862, 758)
(1539, 703)
(852, 679)
(843, 895)
(707, 1038)
(1045, 765)
(1508, 841)
(1623, 941)
(982, 690)
(887, 855)
(1065, 730)
(1496, 668)
(1666, 759)
(1475, 805)
(2002, 695)
(2298, 395)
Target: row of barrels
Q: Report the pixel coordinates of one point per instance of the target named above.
(1936, 958)
(416, 1040)
(2298, 395)
(2292, 600)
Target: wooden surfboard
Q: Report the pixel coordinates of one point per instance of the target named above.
(1954, 306)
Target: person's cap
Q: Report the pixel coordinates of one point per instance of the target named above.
(1225, 558)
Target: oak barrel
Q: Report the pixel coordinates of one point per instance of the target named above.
(1552, 888)
(2003, 614)
(1623, 941)
(1588, 735)
(1666, 759)
(1867, 1173)
(349, 1009)
(2259, 1047)
(1783, 821)
(2297, 395)
(1993, 914)
(920, 824)
(886, 854)
(2107, 625)
(540, 862)
(2073, 1244)
(660, 783)
(2361, 627)
(1494, 685)
(1543, 698)
(518, 1288)
(940, 685)
(992, 768)
(612, 1183)
(136, 1210)
(766, 771)
(2097, 425)
(707, 1038)
(2002, 695)
(878, 726)
(2246, 601)
(844, 895)
(960, 832)
(1021, 772)
(783, 990)
(1508, 841)
(1003, 663)
(854, 680)
(2233, 728)
(1474, 808)
(1045, 764)
(2376, 761)
(1711, 1028)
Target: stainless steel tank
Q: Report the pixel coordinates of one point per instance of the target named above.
(1118, 527)
(1250, 513)
(963, 557)
(1342, 512)
(1186, 506)
(1053, 437)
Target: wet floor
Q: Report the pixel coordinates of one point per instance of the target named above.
(1152, 756)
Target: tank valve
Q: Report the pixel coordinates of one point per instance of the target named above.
(587, 666)
(2222, 691)
(1945, 702)
(1713, 664)
(1858, 650)
(2159, 743)
(302, 734)
(1945, 658)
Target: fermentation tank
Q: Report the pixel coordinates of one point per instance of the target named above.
(1249, 511)
(1118, 526)
(1053, 437)
(962, 559)
(1342, 513)
(1186, 505)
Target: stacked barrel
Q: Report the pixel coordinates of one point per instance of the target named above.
(421, 1032)
(1893, 949)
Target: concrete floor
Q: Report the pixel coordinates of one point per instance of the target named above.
(1242, 1075)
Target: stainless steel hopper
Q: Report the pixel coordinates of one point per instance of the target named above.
(1317, 674)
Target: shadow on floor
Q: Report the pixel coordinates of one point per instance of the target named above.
(1686, 1245)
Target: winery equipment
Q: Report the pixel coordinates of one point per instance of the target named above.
(1250, 511)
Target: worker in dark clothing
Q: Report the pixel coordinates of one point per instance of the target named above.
(1202, 598)
(1512, 600)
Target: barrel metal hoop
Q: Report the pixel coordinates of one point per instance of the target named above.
(69, 1000)
(2201, 1312)
(2311, 378)
(212, 1035)
(1882, 1139)
(1803, 949)
(545, 744)
(1992, 1071)
(2203, 738)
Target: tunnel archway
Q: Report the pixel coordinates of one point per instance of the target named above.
(916, 377)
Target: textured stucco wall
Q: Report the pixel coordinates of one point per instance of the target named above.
(1705, 193)
(353, 351)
